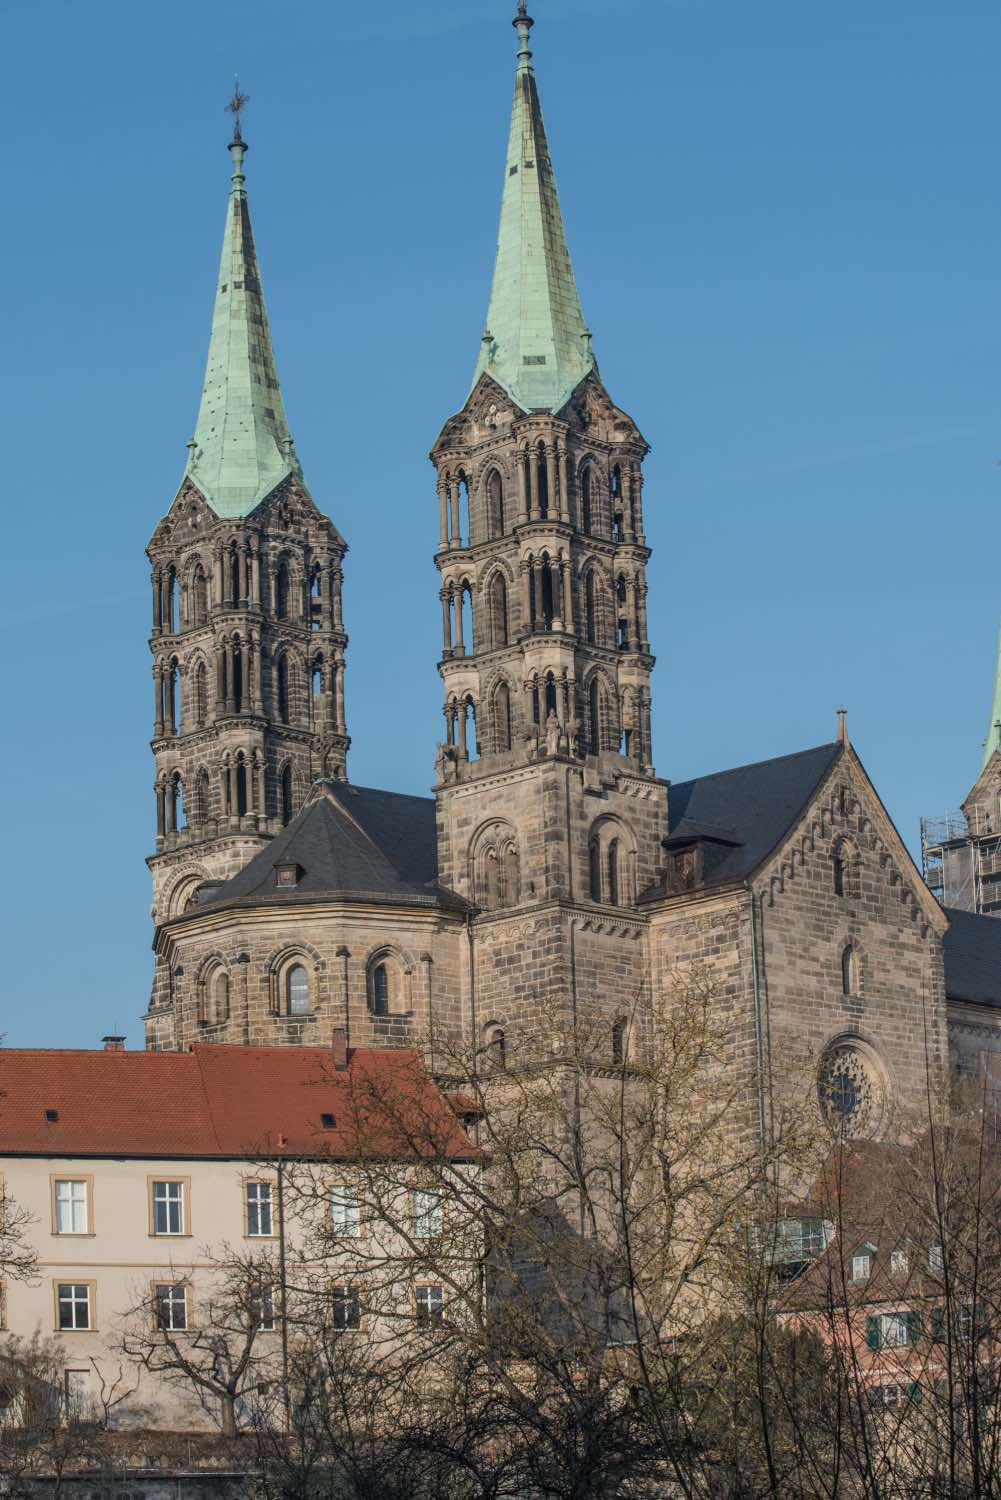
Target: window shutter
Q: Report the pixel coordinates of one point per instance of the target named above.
(914, 1391)
(938, 1325)
(872, 1332)
(914, 1327)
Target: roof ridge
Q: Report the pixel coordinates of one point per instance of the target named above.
(754, 765)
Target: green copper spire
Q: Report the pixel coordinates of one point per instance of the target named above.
(536, 344)
(993, 740)
(242, 448)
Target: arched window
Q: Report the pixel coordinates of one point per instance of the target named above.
(199, 596)
(241, 786)
(622, 633)
(174, 691)
(850, 971)
(502, 717)
(619, 1041)
(316, 677)
(594, 716)
(591, 609)
(585, 502)
(498, 611)
(839, 874)
(283, 693)
(468, 710)
(546, 603)
(176, 811)
(218, 1008)
(845, 869)
(495, 505)
(550, 694)
(465, 604)
(463, 484)
(234, 575)
(237, 675)
(297, 991)
(594, 870)
(542, 474)
(510, 893)
(281, 590)
(380, 990)
(200, 695)
(612, 863)
(618, 532)
(315, 599)
(173, 603)
(496, 1049)
(286, 795)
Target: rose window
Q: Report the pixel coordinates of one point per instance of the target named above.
(850, 1091)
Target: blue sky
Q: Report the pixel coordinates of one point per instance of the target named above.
(785, 228)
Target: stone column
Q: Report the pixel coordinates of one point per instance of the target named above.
(460, 645)
(171, 810)
(522, 489)
(463, 751)
(172, 686)
(531, 722)
(453, 500)
(442, 512)
(228, 669)
(449, 724)
(219, 587)
(337, 580)
(567, 595)
(157, 702)
(427, 964)
(566, 488)
(526, 596)
(554, 584)
(647, 755)
(258, 698)
(242, 575)
(641, 619)
(537, 583)
(638, 504)
(551, 484)
(255, 579)
(157, 602)
(234, 799)
(344, 954)
(261, 799)
(339, 694)
(446, 624)
(533, 480)
(161, 809)
(220, 678)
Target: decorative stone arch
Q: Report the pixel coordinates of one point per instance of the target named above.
(288, 790)
(213, 990)
(601, 712)
(498, 502)
(611, 858)
(179, 889)
(389, 982)
(198, 671)
(500, 697)
(280, 979)
(590, 480)
(497, 600)
(494, 865)
(494, 1042)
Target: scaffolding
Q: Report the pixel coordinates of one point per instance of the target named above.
(961, 861)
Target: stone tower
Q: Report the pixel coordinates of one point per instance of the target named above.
(545, 783)
(248, 638)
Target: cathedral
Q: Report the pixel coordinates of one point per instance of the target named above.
(553, 878)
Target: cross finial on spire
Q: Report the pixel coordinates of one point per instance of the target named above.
(235, 107)
(843, 725)
(523, 24)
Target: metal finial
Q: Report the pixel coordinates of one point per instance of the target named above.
(843, 725)
(523, 24)
(235, 106)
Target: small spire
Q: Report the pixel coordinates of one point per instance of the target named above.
(993, 740)
(843, 726)
(238, 147)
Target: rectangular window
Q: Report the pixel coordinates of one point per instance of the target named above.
(167, 1207)
(170, 1306)
(428, 1217)
(345, 1209)
(861, 1266)
(73, 1306)
(894, 1330)
(430, 1304)
(260, 1219)
(936, 1260)
(899, 1263)
(346, 1309)
(262, 1309)
(76, 1394)
(71, 1200)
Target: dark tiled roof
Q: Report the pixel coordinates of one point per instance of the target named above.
(223, 1102)
(348, 842)
(972, 953)
(756, 804)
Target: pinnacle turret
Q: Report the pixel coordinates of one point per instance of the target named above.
(537, 344)
(242, 448)
(993, 740)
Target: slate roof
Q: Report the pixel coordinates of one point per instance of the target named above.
(972, 953)
(746, 812)
(349, 842)
(223, 1101)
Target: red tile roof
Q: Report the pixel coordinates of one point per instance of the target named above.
(223, 1101)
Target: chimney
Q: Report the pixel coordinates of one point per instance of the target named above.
(339, 1049)
(113, 1043)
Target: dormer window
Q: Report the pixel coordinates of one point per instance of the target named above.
(287, 875)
